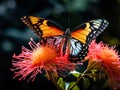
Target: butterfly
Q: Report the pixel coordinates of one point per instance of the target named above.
(77, 40)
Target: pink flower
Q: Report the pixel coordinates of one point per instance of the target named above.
(109, 59)
(41, 57)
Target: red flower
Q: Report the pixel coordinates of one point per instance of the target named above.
(42, 57)
(109, 59)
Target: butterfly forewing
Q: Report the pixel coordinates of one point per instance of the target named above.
(43, 28)
(33, 23)
(96, 26)
(83, 34)
(86, 32)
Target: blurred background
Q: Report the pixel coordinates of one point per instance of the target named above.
(14, 34)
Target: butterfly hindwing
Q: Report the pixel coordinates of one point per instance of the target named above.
(75, 47)
(43, 28)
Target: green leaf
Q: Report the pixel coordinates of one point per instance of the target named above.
(75, 73)
(93, 74)
(86, 83)
(61, 83)
(74, 88)
(94, 71)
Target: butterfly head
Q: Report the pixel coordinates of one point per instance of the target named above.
(67, 33)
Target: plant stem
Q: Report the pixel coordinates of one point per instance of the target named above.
(89, 67)
(54, 80)
(79, 78)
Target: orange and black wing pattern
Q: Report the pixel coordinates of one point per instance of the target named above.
(86, 32)
(43, 28)
(83, 34)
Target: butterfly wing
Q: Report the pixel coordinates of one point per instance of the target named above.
(43, 28)
(84, 34)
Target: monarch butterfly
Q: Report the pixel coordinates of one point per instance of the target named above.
(77, 40)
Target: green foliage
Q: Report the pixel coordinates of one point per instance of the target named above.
(75, 87)
(75, 73)
(86, 83)
(61, 83)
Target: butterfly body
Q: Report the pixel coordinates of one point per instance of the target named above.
(77, 40)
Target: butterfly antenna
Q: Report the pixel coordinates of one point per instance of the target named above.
(68, 20)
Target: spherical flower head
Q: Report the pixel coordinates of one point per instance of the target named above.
(43, 54)
(109, 59)
(41, 57)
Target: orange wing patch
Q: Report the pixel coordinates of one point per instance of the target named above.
(82, 34)
(34, 19)
(49, 30)
(40, 26)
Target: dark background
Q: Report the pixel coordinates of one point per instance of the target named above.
(14, 34)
